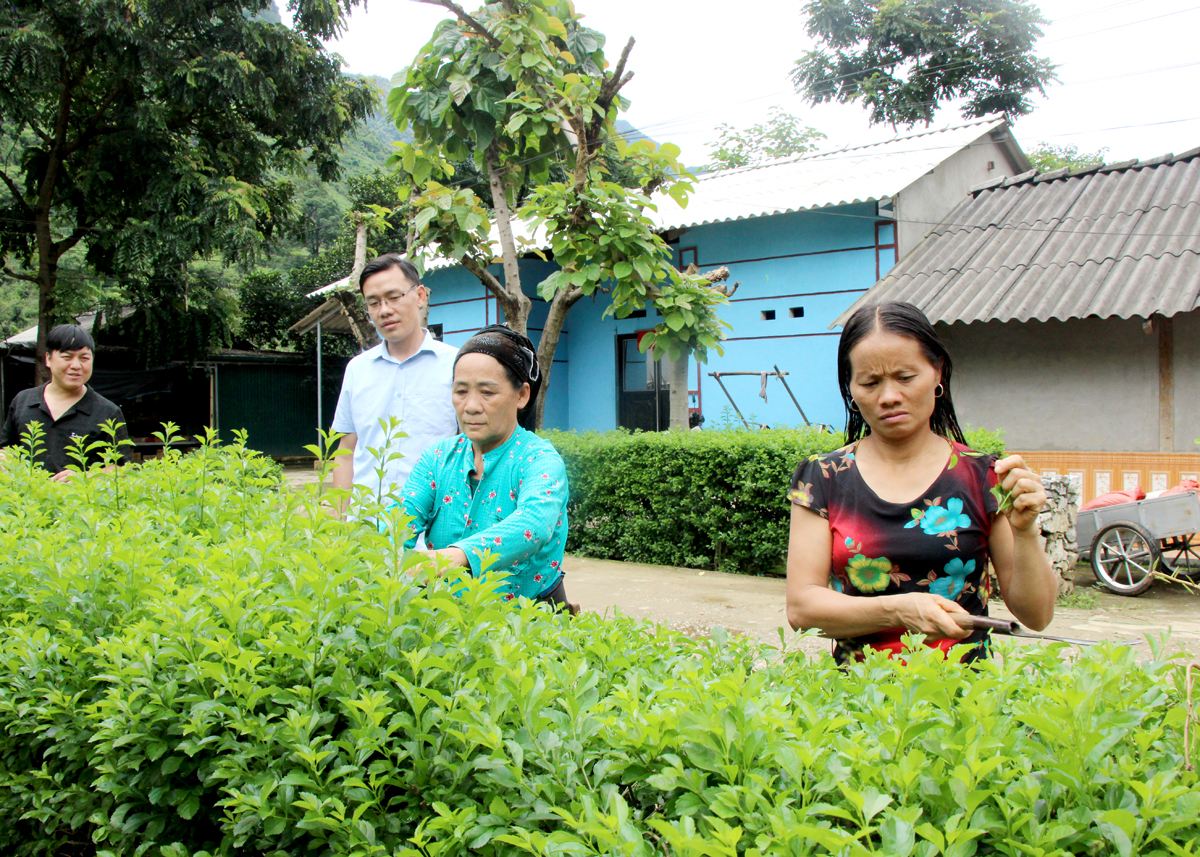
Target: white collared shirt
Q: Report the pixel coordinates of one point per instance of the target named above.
(416, 391)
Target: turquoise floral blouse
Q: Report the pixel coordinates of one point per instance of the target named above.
(518, 511)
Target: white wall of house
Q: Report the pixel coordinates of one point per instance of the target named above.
(921, 205)
(1079, 385)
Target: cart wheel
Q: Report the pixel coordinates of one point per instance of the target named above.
(1124, 557)
(1181, 555)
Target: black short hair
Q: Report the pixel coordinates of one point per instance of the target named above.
(69, 337)
(903, 319)
(384, 263)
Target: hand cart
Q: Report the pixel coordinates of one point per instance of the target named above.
(1131, 542)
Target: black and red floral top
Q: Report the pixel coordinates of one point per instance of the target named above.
(936, 543)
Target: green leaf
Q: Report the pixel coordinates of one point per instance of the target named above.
(188, 809)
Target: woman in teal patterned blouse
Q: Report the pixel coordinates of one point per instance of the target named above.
(496, 486)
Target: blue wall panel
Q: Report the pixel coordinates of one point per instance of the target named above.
(818, 261)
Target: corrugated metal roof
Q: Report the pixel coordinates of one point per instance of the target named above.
(819, 179)
(1122, 240)
(831, 177)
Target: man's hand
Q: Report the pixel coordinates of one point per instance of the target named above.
(62, 476)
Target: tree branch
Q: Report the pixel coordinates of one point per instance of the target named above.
(17, 276)
(717, 275)
(486, 277)
(461, 14)
(608, 91)
(15, 191)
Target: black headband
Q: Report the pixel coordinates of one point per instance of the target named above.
(510, 348)
(515, 352)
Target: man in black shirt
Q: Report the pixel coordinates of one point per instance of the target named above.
(65, 406)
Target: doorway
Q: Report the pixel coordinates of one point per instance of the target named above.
(643, 391)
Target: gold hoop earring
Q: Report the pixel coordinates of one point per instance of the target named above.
(854, 406)
(938, 395)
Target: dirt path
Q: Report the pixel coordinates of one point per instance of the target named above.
(694, 601)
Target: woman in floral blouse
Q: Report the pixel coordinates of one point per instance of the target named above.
(496, 487)
(894, 532)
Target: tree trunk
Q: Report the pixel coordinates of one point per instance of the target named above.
(47, 280)
(679, 393)
(548, 344)
(512, 301)
(360, 250)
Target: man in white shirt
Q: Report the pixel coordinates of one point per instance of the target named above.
(408, 376)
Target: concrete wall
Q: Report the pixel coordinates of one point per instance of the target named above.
(921, 205)
(1079, 385)
(1187, 381)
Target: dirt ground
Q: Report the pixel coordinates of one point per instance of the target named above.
(694, 601)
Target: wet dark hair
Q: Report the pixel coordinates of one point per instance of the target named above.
(515, 352)
(386, 262)
(902, 319)
(69, 337)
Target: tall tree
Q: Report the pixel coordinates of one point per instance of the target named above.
(903, 58)
(522, 87)
(153, 132)
(781, 135)
(1048, 158)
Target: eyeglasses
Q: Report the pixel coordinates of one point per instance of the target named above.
(392, 300)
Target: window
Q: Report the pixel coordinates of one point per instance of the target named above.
(887, 250)
(436, 330)
(637, 313)
(796, 312)
(768, 315)
(688, 256)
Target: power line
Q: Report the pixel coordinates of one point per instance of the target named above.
(1121, 26)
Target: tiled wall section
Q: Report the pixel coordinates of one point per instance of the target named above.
(1101, 472)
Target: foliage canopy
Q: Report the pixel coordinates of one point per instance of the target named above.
(156, 132)
(1047, 158)
(524, 89)
(903, 58)
(195, 663)
(780, 135)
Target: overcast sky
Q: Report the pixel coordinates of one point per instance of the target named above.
(1129, 69)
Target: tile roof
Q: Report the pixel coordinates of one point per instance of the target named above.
(819, 179)
(1119, 240)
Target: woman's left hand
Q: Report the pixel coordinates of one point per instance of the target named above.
(1025, 492)
(457, 557)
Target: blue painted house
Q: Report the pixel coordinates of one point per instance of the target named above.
(805, 237)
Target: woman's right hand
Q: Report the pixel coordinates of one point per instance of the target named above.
(926, 613)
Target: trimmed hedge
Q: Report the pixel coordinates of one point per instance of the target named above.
(703, 499)
(194, 663)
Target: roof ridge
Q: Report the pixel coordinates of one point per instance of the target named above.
(1035, 176)
(989, 119)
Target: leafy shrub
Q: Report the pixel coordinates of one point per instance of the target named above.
(983, 440)
(196, 663)
(707, 499)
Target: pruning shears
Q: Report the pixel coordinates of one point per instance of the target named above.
(1010, 628)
